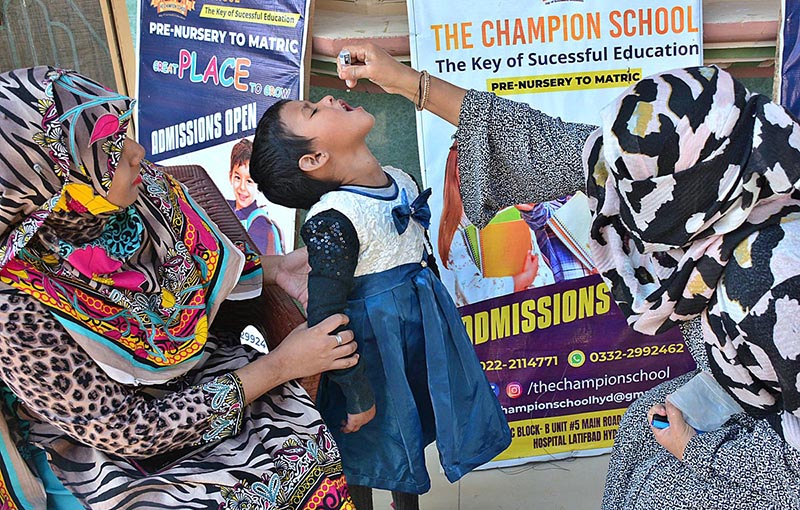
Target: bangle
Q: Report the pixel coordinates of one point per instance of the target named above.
(423, 90)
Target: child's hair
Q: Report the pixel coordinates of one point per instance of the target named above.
(240, 154)
(275, 163)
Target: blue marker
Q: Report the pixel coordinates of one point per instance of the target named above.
(660, 421)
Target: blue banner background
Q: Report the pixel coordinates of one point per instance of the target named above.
(189, 97)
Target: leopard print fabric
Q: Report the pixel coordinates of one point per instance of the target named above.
(274, 453)
(61, 385)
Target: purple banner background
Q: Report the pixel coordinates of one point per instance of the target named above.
(531, 372)
(790, 57)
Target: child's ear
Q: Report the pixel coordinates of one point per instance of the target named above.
(312, 161)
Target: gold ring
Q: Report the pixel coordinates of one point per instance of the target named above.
(338, 339)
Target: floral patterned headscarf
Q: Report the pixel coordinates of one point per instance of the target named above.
(137, 286)
(693, 182)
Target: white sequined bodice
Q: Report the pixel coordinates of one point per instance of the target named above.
(380, 246)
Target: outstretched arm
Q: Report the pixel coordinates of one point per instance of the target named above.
(374, 64)
(508, 152)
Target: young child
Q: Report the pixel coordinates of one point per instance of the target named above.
(264, 232)
(418, 378)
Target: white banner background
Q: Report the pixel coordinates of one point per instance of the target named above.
(594, 41)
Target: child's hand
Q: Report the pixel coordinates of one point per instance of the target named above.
(356, 421)
(675, 437)
(524, 279)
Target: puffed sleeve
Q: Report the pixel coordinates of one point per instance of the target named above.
(60, 384)
(333, 248)
(510, 153)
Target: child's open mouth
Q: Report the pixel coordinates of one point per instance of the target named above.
(346, 106)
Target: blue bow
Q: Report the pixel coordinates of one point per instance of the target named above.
(418, 210)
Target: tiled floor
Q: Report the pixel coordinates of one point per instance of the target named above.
(573, 484)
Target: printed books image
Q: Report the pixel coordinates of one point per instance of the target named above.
(500, 248)
(571, 223)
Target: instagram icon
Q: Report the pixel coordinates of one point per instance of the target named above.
(514, 389)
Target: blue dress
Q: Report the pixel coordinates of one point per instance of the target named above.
(419, 362)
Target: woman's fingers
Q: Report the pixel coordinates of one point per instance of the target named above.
(316, 349)
(673, 413)
(342, 339)
(330, 324)
(656, 409)
(373, 63)
(345, 362)
(352, 73)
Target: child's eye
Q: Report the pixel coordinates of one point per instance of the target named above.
(313, 112)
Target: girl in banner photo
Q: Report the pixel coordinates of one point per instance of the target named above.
(418, 378)
(264, 232)
(110, 279)
(693, 187)
(460, 250)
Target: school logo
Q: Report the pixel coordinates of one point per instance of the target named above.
(179, 7)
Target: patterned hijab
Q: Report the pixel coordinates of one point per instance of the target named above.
(694, 181)
(136, 287)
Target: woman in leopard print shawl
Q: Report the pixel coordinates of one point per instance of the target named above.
(110, 279)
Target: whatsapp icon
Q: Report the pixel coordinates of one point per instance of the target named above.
(576, 358)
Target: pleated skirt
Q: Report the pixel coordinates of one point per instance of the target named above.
(428, 386)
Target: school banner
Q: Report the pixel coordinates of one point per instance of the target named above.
(553, 344)
(789, 57)
(207, 71)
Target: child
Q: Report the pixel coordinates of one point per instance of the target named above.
(263, 231)
(418, 374)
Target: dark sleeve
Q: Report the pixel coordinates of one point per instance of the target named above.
(333, 249)
(510, 153)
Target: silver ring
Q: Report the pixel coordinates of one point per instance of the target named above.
(338, 339)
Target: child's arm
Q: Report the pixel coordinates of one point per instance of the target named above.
(333, 249)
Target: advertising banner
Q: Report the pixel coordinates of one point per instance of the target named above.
(558, 353)
(207, 72)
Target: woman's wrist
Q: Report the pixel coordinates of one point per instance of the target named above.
(263, 374)
(271, 266)
(408, 84)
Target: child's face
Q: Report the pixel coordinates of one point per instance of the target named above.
(243, 186)
(333, 125)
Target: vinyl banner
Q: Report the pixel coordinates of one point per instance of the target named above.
(207, 72)
(789, 56)
(553, 344)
